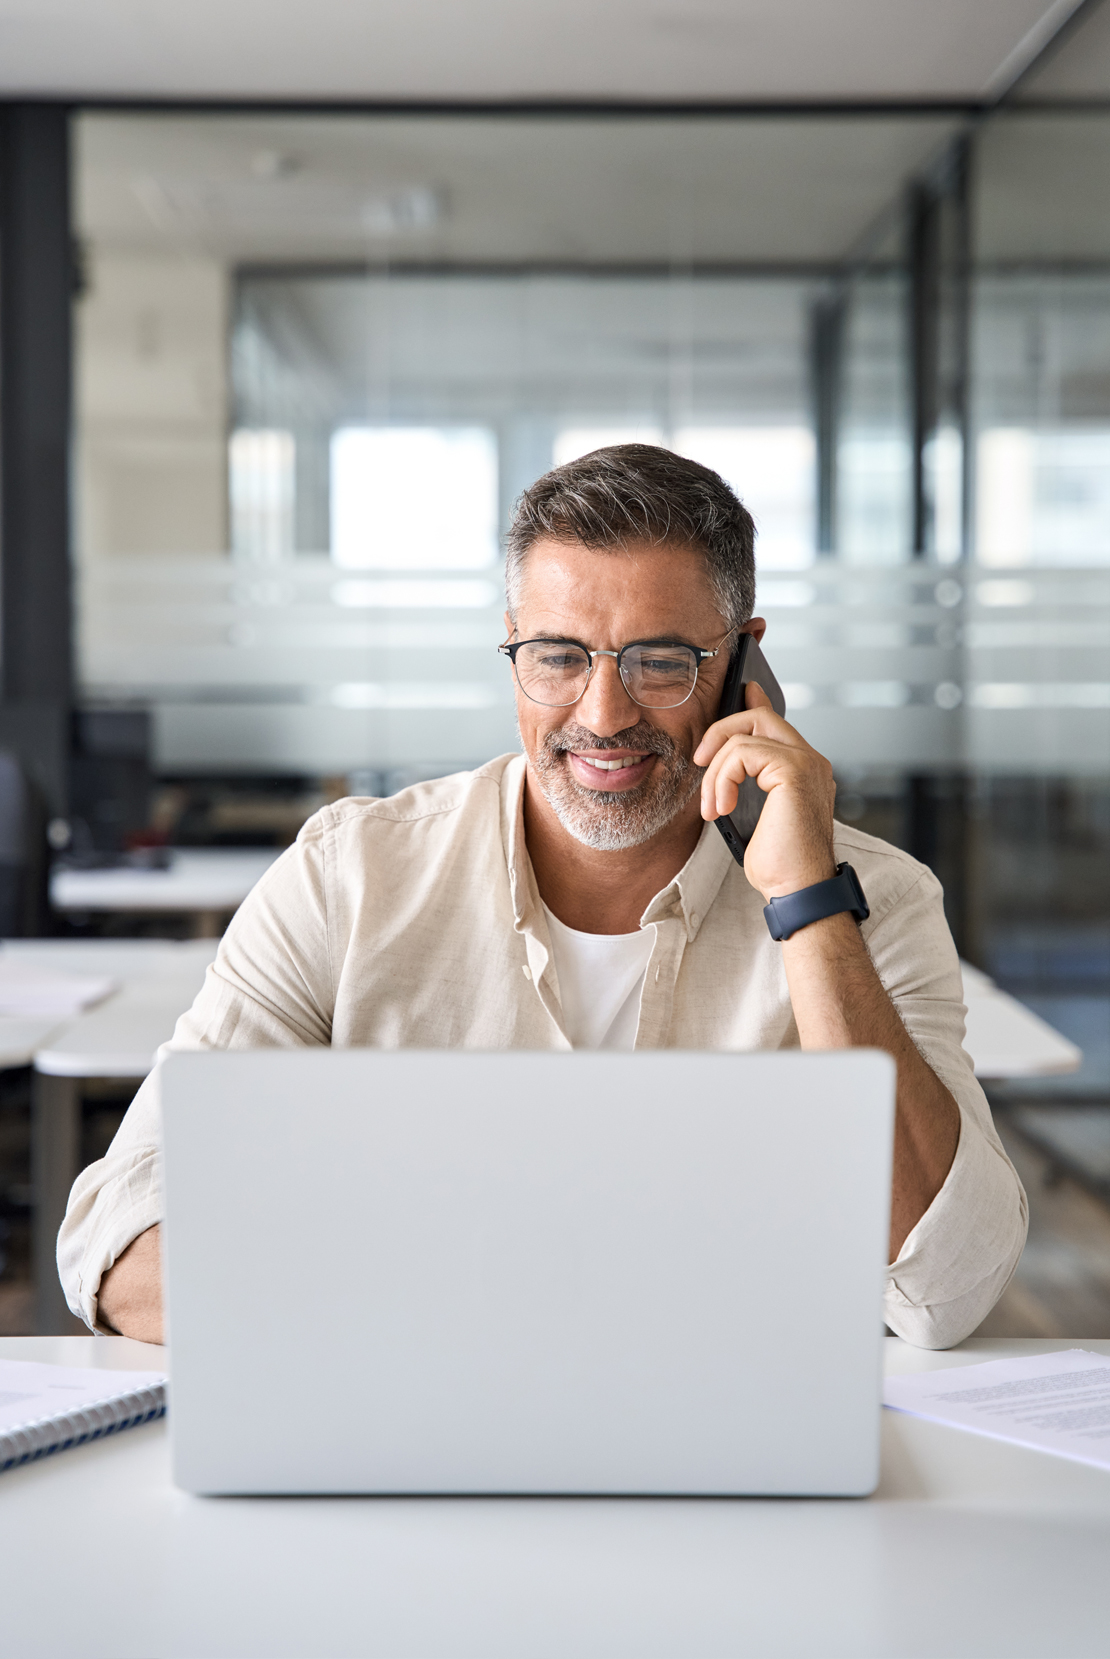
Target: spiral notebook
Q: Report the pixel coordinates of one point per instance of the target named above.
(46, 1408)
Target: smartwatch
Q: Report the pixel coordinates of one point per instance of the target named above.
(794, 911)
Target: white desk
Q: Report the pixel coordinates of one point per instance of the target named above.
(209, 881)
(21, 1039)
(1006, 1039)
(158, 980)
(969, 1550)
(119, 1037)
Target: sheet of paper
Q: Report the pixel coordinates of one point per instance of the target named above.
(1056, 1403)
(29, 1391)
(36, 993)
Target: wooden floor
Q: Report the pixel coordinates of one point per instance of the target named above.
(1062, 1285)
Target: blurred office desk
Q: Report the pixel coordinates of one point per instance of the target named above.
(21, 1039)
(1006, 1039)
(207, 882)
(970, 1548)
(156, 982)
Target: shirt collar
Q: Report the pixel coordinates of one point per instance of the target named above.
(687, 898)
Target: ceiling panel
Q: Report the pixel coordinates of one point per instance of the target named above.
(734, 49)
(572, 190)
(1080, 66)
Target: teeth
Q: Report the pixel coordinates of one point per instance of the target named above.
(612, 765)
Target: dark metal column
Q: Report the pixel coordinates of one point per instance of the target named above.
(936, 829)
(959, 396)
(36, 286)
(923, 830)
(939, 254)
(925, 295)
(36, 672)
(826, 356)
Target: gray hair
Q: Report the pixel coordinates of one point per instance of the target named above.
(640, 493)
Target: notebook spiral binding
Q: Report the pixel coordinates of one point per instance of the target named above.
(45, 1435)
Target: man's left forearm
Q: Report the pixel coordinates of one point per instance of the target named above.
(839, 1002)
(129, 1300)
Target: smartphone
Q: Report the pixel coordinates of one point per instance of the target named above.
(747, 664)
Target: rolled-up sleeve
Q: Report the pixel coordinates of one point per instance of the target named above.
(958, 1260)
(269, 987)
(113, 1200)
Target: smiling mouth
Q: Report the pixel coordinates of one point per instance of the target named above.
(619, 765)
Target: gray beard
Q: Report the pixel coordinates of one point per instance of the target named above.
(612, 821)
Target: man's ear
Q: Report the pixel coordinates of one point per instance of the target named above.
(510, 626)
(757, 627)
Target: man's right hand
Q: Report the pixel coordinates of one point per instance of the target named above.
(130, 1296)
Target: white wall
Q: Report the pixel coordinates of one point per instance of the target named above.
(152, 405)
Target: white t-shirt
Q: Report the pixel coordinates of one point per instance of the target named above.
(600, 977)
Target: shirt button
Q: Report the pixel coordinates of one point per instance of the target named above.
(694, 918)
(526, 971)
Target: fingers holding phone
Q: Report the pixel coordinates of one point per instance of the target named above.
(790, 844)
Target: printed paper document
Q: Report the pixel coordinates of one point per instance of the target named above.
(1051, 1402)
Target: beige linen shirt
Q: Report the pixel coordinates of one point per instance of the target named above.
(415, 922)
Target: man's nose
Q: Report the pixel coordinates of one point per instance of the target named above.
(605, 706)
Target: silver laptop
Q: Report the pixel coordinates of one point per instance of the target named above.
(400, 1272)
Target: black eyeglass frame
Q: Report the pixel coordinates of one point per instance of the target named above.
(699, 653)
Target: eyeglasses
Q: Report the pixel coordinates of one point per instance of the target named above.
(657, 674)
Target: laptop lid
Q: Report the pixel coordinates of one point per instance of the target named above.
(655, 1272)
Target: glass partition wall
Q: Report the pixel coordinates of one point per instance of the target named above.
(319, 357)
(1037, 623)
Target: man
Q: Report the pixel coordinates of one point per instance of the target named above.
(579, 895)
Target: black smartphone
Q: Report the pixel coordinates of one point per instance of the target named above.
(747, 663)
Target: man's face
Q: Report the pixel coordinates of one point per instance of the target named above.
(616, 774)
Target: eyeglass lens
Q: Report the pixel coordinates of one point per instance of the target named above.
(655, 676)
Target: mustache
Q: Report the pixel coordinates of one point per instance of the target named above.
(641, 737)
